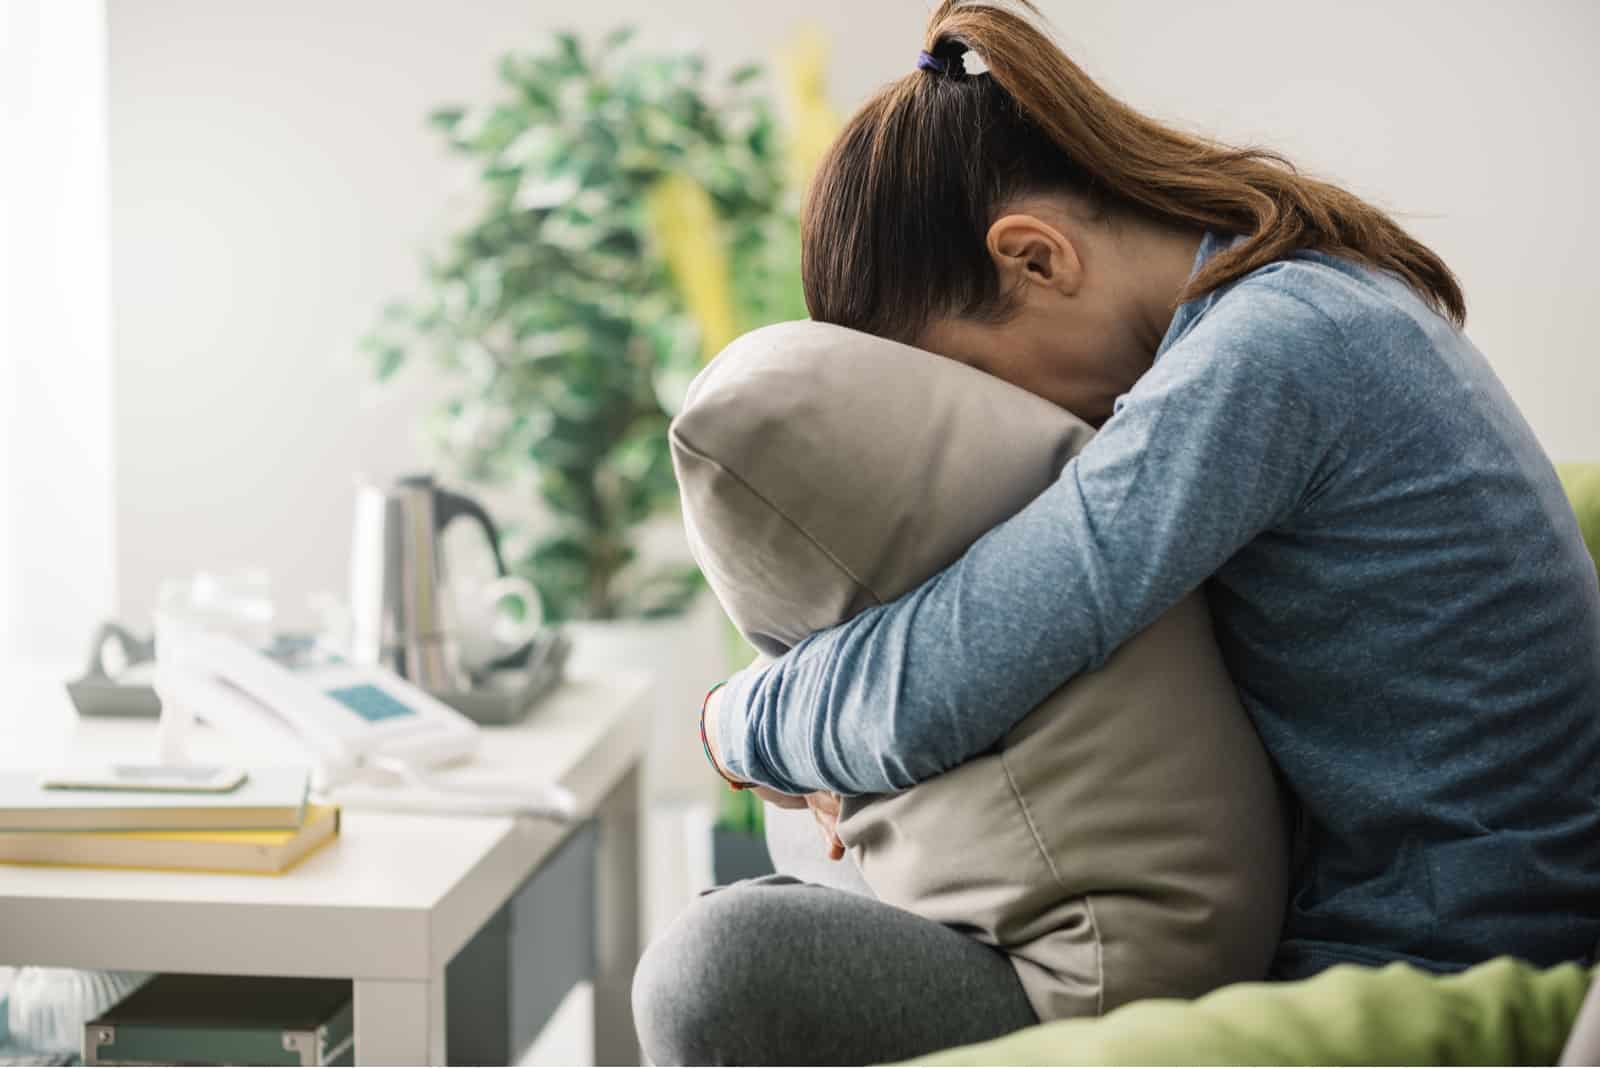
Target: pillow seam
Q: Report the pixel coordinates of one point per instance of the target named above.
(1055, 873)
(700, 455)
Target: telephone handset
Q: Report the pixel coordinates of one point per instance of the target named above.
(348, 719)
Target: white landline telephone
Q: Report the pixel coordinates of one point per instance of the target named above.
(353, 722)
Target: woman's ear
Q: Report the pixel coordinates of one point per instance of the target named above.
(1029, 251)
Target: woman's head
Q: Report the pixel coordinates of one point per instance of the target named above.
(1021, 218)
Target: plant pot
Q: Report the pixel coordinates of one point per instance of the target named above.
(738, 854)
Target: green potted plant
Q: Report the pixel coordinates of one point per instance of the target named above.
(632, 215)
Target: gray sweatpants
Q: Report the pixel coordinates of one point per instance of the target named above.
(785, 971)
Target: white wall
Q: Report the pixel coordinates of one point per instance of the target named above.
(1472, 120)
(273, 182)
(56, 524)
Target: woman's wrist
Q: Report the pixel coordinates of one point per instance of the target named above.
(708, 734)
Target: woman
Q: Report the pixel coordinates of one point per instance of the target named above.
(1289, 410)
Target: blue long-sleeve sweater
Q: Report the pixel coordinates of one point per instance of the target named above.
(1400, 591)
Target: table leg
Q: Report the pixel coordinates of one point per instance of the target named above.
(617, 923)
(399, 1021)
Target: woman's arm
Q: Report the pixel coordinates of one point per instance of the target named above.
(1220, 441)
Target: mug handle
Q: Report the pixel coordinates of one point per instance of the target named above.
(511, 632)
(449, 506)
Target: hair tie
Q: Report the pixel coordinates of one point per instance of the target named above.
(929, 61)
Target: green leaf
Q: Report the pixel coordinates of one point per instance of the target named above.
(446, 118)
(562, 343)
(739, 810)
(390, 360)
(618, 38)
(667, 592)
(571, 50)
(559, 550)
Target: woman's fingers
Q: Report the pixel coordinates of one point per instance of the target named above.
(824, 808)
(773, 797)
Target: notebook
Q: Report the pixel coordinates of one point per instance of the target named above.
(269, 798)
(260, 852)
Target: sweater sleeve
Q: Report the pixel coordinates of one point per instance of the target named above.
(1220, 441)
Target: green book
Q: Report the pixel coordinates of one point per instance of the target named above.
(268, 798)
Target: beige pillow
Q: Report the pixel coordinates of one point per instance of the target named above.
(1126, 840)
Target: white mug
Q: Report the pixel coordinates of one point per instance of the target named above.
(484, 631)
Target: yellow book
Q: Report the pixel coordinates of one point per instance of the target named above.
(257, 852)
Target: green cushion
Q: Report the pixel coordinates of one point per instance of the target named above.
(1501, 1012)
(1582, 483)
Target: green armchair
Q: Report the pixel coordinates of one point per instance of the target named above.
(1501, 1012)
(1582, 483)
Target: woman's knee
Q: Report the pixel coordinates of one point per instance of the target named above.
(777, 971)
(697, 991)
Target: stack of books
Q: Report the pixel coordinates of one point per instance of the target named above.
(263, 826)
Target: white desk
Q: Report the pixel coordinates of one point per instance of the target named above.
(387, 905)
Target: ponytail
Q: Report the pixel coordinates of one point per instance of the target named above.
(897, 216)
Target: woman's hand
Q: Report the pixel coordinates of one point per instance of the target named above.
(773, 797)
(824, 806)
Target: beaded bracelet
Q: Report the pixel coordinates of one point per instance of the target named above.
(705, 743)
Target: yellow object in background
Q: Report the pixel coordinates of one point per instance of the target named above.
(813, 124)
(685, 223)
(684, 219)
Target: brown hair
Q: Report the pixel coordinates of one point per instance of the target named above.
(896, 219)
